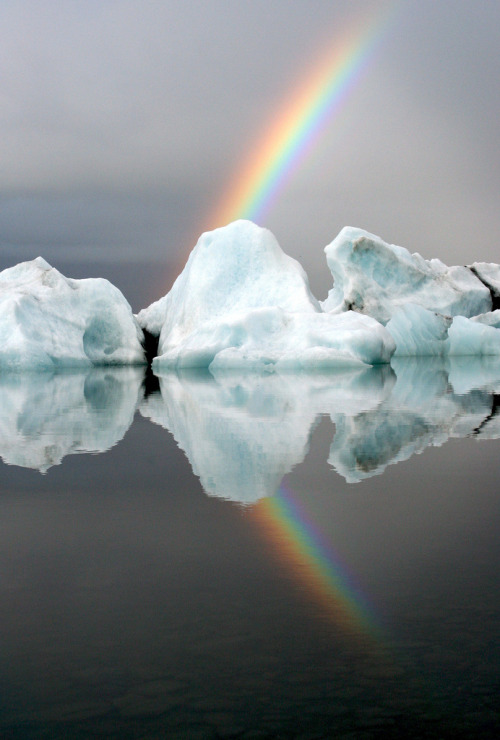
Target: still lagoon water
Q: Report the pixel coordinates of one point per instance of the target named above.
(312, 556)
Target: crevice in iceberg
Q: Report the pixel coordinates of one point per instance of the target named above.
(151, 384)
(495, 411)
(150, 345)
(495, 297)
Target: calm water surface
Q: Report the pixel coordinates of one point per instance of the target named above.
(247, 557)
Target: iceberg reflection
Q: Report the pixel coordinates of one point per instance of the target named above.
(242, 434)
(46, 416)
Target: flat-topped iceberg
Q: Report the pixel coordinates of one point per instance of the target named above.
(241, 302)
(48, 321)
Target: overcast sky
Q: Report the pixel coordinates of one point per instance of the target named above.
(122, 122)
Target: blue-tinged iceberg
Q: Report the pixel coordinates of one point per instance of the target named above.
(478, 336)
(241, 302)
(376, 278)
(48, 321)
(418, 331)
(429, 309)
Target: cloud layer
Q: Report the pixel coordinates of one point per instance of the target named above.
(123, 122)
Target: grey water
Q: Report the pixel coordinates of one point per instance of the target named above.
(297, 556)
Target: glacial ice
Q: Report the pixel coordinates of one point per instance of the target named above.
(376, 278)
(479, 335)
(489, 274)
(418, 331)
(49, 321)
(240, 302)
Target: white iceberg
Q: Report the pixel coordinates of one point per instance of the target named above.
(376, 278)
(240, 302)
(48, 321)
(45, 416)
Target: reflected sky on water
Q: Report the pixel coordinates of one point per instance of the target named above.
(340, 579)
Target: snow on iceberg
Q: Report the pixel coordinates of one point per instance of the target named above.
(48, 320)
(376, 278)
(241, 302)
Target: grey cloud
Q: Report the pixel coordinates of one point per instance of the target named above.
(124, 122)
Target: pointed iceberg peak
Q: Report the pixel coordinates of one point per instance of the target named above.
(42, 264)
(242, 302)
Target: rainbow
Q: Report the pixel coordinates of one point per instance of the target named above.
(297, 128)
(303, 547)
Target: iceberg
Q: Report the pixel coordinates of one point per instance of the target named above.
(45, 416)
(418, 331)
(49, 321)
(376, 278)
(489, 274)
(241, 302)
